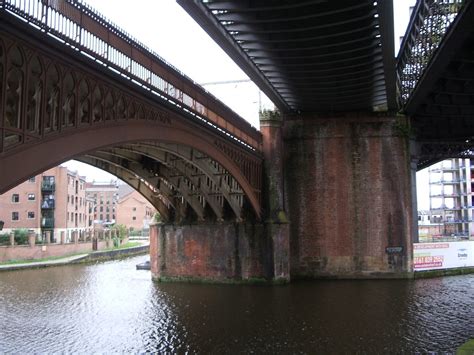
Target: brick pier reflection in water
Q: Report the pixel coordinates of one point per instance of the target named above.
(112, 307)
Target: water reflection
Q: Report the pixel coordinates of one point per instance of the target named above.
(111, 307)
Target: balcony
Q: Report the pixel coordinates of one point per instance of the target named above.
(48, 186)
(47, 222)
(47, 204)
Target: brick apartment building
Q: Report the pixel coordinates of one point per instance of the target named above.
(54, 201)
(59, 200)
(133, 210)
(102, 198)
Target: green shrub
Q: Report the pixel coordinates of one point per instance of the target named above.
(122, 231)
(21, 236)
(4, 239)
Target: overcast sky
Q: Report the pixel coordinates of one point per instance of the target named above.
(166, 28)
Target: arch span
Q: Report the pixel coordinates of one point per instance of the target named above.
(57, 107)
(27, 160)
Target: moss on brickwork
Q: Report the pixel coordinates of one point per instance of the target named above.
(466, 349)
(282, 217)
(269, 115)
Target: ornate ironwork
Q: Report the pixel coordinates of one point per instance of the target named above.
(44, 98)
(428, 25)
(434, 152)
(79, 26)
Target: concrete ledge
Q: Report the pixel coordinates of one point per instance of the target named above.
(443, 272)
(114, 254)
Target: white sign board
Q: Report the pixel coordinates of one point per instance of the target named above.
(443, 255)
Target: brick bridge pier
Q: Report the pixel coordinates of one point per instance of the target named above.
(338, 202)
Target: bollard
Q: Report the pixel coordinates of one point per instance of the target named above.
(48, 237)
(31, 238)
(12, 238)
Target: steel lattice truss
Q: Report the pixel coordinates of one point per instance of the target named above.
(429, 23)
(436, 78)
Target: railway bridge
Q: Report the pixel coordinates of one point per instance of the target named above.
(326, 188)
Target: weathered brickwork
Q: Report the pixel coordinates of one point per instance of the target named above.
(225, 252)
(348, 196)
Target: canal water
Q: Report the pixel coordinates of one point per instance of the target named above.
(111, 307)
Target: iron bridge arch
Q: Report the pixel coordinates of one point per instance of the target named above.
(56, 105)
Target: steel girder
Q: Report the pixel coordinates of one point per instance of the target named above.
(303, 43)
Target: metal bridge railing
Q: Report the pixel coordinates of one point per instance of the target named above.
(429, 23)
(76, 24)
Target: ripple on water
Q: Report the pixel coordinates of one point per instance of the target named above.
(112, 307)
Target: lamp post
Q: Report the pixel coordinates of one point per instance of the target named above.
(1, 225)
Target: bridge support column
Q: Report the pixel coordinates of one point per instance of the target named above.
(276, 221)
(215, 252)
(349, 196)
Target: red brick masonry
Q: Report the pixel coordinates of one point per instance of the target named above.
(348, 194)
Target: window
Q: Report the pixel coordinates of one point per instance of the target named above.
(31, 197)
(101, 217)
(15, 216)
(32, 179)
(31, 215)
(15, 198)
(134, 218)
(101, 209)
(134, 209)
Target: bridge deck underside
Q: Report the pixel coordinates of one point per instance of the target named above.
(308, 56)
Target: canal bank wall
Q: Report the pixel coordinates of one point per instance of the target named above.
(27, 252)
(77, 259)
(114, 254)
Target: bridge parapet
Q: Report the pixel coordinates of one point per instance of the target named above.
(77, 25)
(429, 23)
